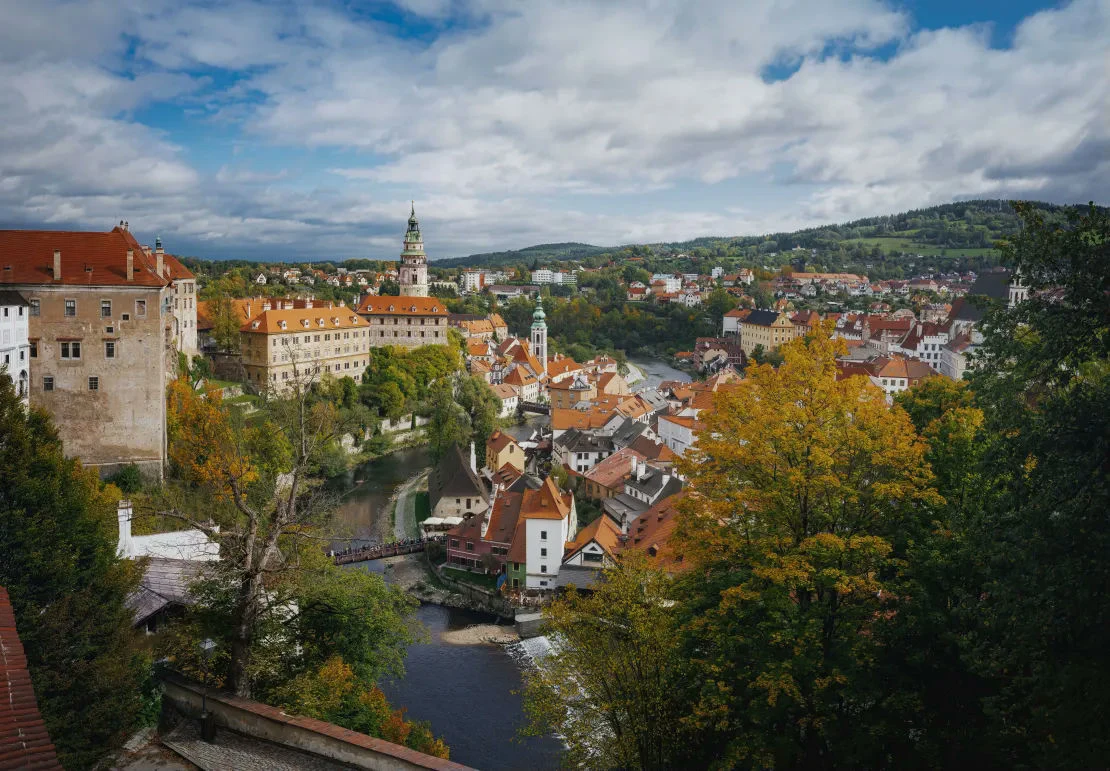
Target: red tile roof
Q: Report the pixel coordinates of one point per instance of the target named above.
(88, 259)
(319, 319)
(24, 742)
(545, 503)
(602, 531)
(651, 532)
(389, 305)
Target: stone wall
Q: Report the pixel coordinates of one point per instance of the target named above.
(267, 723)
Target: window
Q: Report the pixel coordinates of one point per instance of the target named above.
(590, 556)
(34, 350)
(468, 503)
(454, 543)
(543, 552)
(543, 535)
(106, 309)
(109, 349)
(48, 383)
(34, 307)
(543, 568)
(140, 308)
(94, 384)
(71, 308)
(71, 350)
(470, 546)
(126, 317)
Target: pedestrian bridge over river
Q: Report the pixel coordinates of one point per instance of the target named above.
(382, 550)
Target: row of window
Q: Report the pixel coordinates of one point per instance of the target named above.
(48, 383)
(18, 308)
(70, 350)
(105, 309)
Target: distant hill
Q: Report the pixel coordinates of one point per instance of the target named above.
(541, 252)
(965, 229)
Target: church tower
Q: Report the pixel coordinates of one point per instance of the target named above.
(539, 334)
(414, 263)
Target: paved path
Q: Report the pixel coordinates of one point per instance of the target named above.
(404, 519)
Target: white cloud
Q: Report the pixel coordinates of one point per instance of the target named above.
(517, 112)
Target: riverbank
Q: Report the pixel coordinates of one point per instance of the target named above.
(402, 512)
(635, 374)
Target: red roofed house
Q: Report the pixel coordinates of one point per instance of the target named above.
(606, 478)
(101, 330)
(24, 742)
(550, 519)
(501, 449)
(405, 321)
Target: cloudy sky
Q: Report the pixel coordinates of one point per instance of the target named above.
(303, 129)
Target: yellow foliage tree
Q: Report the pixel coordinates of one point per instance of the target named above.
(799, 481)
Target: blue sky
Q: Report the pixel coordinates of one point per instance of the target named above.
(302, 129)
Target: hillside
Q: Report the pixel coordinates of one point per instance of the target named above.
(955, 234)
(526, 256)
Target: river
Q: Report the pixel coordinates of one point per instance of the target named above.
(655, 372)
(469, 693)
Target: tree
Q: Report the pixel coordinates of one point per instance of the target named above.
(614, 686)
(225, 324)
(1044, 382)
(258, 478)
(481, 405)
(800, 485)
(449, 423)
(67, 587)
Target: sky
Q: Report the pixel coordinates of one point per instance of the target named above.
(300, 130)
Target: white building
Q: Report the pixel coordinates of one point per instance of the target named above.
(15, 348)
(546, 276)
(717, 272)
(550, 521)
(671, 283)
(679, 432)
(471, 281)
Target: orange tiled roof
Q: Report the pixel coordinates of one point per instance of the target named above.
(504, 391)
(545, 503)
(651, 534)
(304, 320)
(603, 531)
(561, 365)
(496, 320)
(499, 440)
(88, 259)
(388, 305)
(618, 466)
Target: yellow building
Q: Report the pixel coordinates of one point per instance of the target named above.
(409, 322)
(282, 347)
(769, 329)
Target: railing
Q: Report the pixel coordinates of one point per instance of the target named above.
(382, 550)
(542, 409)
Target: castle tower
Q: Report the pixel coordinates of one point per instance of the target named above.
(414, 263)
(1018, 291)
(539, 334)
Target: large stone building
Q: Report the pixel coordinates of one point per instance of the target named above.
(283, 347)
(101, 322)
(413, 276)
(405, 321)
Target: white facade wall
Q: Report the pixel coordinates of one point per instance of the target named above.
(677, 437)
(545, 541)
(15, 356)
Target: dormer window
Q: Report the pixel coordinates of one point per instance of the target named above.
(391, 309)
(304, 323)
(255, 324)
(282, 324)
(320, 322)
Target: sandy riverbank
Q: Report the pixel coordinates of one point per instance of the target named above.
(480, 634)
(635, 374)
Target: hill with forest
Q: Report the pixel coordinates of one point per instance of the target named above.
(954, 236)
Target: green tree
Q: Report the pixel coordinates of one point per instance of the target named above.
(616, 686)
(449, 422)
(225, 324)
(67, 587)
(1044, 382)
(481, 405)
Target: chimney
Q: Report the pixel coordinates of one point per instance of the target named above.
(634, 464)
(473, 459)
(125, 548)
(57, 265)
(130, 265)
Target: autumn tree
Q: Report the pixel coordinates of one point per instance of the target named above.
(67, 587)
(615, 686)
(800, 484)
(271, 520)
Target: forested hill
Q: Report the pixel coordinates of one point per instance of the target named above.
(967, 229)
(542, 253)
